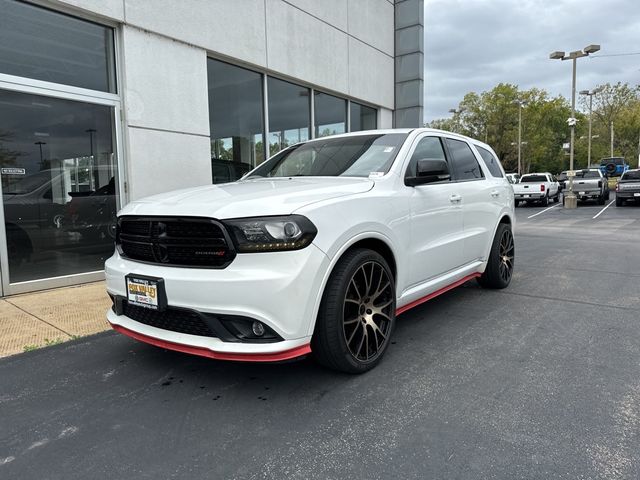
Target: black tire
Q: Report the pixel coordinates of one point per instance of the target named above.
(545, 200)
(619, 202)
(347, 328)
(556, 199)
(501, 261)
(607, 195)
(601, 200)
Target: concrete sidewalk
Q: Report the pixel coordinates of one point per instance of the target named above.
(35, 320)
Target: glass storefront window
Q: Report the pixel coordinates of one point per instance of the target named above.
(235, 120)
(289, 114)
(363, 118)
(59, 185)
(330, 114)
(45, 45)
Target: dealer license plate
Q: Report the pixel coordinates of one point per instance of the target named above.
(527, 196)
(144, 291)
(582, 193)
(636, 194)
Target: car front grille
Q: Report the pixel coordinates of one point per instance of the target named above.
(175, 241)
(173, 319)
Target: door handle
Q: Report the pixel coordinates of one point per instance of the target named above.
(495, 193)
(455, 198)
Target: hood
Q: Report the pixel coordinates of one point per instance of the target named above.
(248, 198)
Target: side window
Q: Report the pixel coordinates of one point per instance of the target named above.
(428, 147)
(465, 165)
(491, 162)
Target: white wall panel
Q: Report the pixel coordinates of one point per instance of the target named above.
(165, 83)
(304, 47)
(331, 11)
(113, 9)
(230, 27)
(164, 161)
(370, 74)
(372, 22)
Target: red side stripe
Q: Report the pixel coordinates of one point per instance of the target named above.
(205, 352)
(420, 301)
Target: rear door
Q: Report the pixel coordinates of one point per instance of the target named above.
(480, 197)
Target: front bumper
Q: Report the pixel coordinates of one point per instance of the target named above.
(280, 289)
(629, 195)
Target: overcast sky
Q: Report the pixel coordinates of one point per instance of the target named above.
(472, 45)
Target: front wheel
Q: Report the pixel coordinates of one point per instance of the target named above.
(357, 313)
(501, 260)
(619, 202)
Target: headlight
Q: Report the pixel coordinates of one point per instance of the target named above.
(271, 234)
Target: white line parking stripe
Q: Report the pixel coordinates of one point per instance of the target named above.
(536, 214)
(601, 211)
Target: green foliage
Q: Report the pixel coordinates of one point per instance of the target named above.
(492, 117)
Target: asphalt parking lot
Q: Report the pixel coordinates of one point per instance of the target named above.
(541, 380)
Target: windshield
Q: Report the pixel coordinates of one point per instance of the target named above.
(351, 156)
(28, 184)
(588, 174)
(631, 175)
(533, 179)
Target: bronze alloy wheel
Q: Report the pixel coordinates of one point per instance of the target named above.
(367, 311)
(507, 249)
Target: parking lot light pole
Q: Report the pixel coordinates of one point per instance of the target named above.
(570, 200)
(456, 112)
(521, 103)
(591, 93)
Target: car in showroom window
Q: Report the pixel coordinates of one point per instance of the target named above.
(316, 251)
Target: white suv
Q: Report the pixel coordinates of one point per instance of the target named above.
(316, 250)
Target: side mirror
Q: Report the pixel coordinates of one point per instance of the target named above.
(429, 170)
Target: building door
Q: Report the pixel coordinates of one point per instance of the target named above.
(59, 180)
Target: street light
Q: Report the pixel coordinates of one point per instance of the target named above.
(521, 103)
(457, 112)
(590, 93)
(570, 200)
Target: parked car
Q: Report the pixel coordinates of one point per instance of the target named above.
(512, 177)
(317, 250)
(628, 187)
(590, 184)
(536, 187)
(31, 213)
(93, 213)
(613, 166)
(562, 179)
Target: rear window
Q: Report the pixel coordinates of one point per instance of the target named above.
(491, 161)
(589, 174)
(630, 175)
(533, 179)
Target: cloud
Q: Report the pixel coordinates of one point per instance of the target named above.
(472, 45)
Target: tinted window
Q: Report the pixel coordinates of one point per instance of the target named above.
(630, 175)
(45, 45)
(330, 114)
(351, 156)
(235, 117)
(428, 147)
(492, 162)
(363, 118)
(588, 174)
(533, 179)
(465, 164)
(289, 114)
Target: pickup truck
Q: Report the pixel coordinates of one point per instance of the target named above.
(590, 184)
(536, 187)
(628, 188)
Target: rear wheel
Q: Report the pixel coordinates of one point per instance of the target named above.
(501, 260)
(357, 313)
(601, 200)
(556, 199)
(545, 200)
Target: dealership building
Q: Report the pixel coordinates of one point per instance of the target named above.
(106, 101)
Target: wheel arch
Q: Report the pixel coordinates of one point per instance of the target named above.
(371, 240)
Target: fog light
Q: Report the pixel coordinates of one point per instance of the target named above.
(258, 329)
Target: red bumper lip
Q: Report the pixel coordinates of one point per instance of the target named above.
(436, 293)
(205, 352)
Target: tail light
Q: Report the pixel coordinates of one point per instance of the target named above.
(617, 187)
(542, 188)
